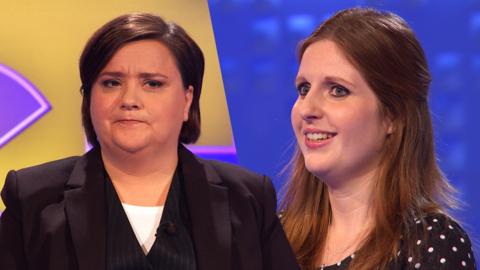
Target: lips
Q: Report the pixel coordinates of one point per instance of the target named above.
(129, 122)
(315, 138)
(319, 136)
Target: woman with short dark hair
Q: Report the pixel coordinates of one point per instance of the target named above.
(139, 199)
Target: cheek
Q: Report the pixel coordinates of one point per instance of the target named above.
(374, 124)
(353, 122)
(366, 125)
(166, 110)
(98, 107)
(94, 108)
(295, 118)
(176, 107)
(355, 117)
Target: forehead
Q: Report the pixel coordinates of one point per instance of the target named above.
(142, 54)
(324, 58)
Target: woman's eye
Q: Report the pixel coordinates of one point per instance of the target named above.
(339, 91)
(110, 83)
(153, 84)
(303, 89)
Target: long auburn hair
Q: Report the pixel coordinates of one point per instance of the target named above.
(409, 183)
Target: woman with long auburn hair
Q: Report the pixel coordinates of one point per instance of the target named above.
(366, 191)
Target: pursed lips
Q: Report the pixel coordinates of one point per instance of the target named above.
(129, 121)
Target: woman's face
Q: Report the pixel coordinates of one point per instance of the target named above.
(138, 100)
(336, 118)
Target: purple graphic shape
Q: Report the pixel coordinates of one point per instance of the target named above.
(21, 104)
(223, 153)
(207, 150)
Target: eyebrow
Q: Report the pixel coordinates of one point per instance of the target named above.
(338, 79)
(145, 75)
(299, 79)
(326, 79)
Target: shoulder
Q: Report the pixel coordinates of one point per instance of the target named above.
(440, 229)
(444, 244)
(243, 185)
(231, 174)
(56, 167)
(217, 173)
(44, 177)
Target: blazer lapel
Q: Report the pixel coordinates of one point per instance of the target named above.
(85, 210)
(209, 208)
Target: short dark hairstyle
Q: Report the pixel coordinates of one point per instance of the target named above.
(106, 41)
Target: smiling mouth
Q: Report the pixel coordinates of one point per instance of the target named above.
(319, 136)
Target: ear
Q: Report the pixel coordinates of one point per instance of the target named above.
(188, 102)
(388, 123)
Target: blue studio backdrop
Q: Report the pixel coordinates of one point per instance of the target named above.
(256, 41)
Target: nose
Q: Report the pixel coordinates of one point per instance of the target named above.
(311, 107)
(131, 98)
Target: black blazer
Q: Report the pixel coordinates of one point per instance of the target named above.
(55, 216)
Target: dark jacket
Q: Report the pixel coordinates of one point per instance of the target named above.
(55, 216)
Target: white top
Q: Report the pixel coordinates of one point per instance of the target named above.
(144, 221)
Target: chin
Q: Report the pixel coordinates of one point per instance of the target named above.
(317, 172)
(130, 148)
(130, 145)
(316, 167)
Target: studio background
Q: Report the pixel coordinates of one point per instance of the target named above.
(257, 40)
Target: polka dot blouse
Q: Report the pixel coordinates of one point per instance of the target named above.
(446, 247)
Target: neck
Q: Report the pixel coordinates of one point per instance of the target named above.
(351, 202)
(140, 164)
(351, 199)
(141, 178)
(351, 205)
(351, 219)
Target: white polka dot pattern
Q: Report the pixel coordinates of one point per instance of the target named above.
(444, 246)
